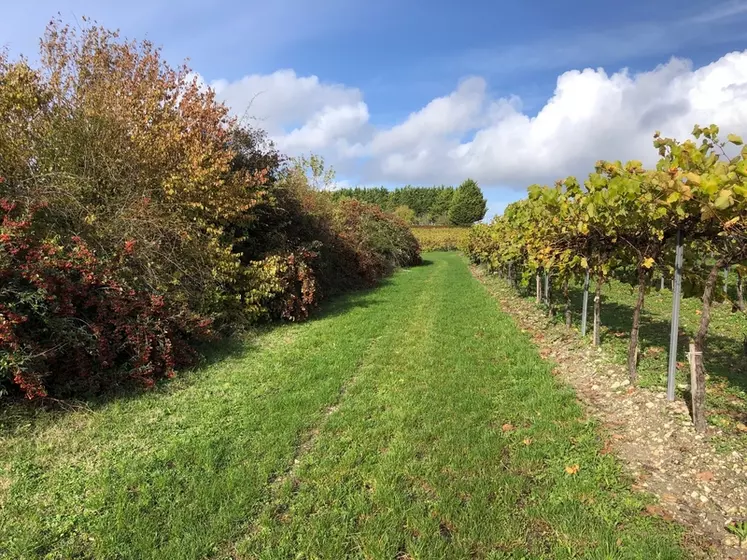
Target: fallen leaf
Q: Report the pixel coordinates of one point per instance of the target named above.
(508, 428)
(741, 427)
(698, 312)
(659, 512)
(573, 469)
(705, 475)
(669, 498)
(528, 441)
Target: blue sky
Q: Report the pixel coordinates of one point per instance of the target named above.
(394, 92)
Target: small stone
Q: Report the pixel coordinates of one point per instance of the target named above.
(650, 405)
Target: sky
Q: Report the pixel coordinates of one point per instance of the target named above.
(398, 92)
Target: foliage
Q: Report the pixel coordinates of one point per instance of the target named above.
(188, 474)
(122, 147)
(622, 222)
(69, 323)
(381, 241)
(430, 204)
(313, 167)
(436, 238)
(468, 204)
(405, 213)
(151, 191)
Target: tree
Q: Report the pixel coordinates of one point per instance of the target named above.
(468, 204)
(313, 166)
(405, 213)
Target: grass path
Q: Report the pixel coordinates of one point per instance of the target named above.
(413, 421)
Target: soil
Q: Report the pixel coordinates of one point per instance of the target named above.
(697, 482)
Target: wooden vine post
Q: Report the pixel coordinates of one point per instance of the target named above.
(697, 391)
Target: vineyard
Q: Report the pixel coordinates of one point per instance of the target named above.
(682, 224)
(440, 238)
(208, 352)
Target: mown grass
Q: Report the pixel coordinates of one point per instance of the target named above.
(440, 238)
(413, 421)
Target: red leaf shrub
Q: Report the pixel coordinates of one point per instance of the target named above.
(299, 286)
(381, 241)
(70, 323)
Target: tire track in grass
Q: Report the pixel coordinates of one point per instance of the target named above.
(274, 504)
(172, 474)
(322, 519)
(454, 443)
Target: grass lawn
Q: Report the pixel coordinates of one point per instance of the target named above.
(411, 421)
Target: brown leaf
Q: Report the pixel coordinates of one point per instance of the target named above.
(508, 428)
(741, 427)
(705, 475)
(572, 469)
(658, 512)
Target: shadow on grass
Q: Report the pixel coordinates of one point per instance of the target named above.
(16, 411)
(724, 356)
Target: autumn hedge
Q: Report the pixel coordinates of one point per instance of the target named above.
(138, 218)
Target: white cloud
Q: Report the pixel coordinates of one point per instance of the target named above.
(283, 98)
(326, 127)
(591, 115)
(445, 116)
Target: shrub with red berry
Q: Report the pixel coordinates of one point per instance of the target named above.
(68, 324)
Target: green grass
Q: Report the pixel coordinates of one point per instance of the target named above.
(724, 357)
(373, 431)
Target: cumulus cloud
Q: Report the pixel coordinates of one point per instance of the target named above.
(591, 115)
(327, 127)
(284, 98)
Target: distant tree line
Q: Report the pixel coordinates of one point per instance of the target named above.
(438, 205)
